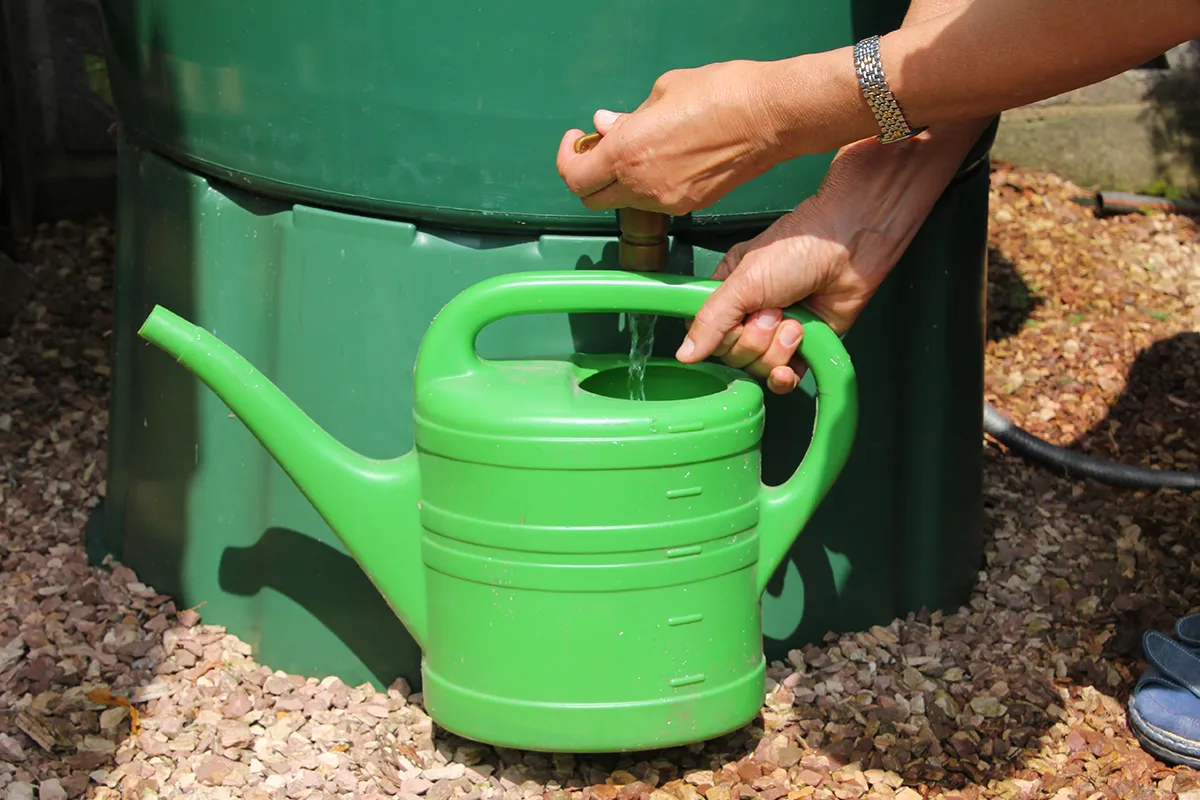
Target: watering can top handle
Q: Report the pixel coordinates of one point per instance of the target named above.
(448, 347)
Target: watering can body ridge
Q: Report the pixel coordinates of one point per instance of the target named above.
(582, 571)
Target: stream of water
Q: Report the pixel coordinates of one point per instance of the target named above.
(642, 333)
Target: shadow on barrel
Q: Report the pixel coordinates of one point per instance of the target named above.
(304, 570)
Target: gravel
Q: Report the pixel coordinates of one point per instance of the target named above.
(107, 689)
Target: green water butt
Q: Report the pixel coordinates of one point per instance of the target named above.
(445, 112)
(332, 307)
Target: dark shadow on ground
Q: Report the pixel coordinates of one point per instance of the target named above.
(1128, 564)
(1154, 423)
(1010, 302)
(1157, 416)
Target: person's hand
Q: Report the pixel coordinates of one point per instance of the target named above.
(701, 133)
(799, 258)
(832, 253)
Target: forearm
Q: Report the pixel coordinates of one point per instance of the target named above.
(992, 55)
(894, 187)
(924, 10)
(879, 195)
(932, 159)
(977, 59)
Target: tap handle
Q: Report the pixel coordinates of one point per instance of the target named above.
(643, 245)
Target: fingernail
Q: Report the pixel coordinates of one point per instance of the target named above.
(604, 117)
(732, 336)
(686, 349)
(790, 335)
(781, 386)
(768, 319)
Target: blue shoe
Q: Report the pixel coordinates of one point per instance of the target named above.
(1164, 706)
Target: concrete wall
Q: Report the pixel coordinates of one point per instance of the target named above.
(1129, 132)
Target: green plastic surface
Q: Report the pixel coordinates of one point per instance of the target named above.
(442, 112)
(536, 517)
(332, 307)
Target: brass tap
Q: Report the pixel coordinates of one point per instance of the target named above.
(643, 242)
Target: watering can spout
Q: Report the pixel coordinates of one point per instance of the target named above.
(371, 505)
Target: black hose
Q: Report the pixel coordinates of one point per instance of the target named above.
(1078, 465)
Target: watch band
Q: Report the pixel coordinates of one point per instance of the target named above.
(873, 83)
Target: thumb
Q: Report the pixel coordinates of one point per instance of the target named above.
(604, 120)
(723, 311)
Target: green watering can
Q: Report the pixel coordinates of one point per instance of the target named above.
(583, 572)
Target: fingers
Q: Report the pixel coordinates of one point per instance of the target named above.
(584, 173)
(730, 338)
(780, 349)
(612, 196)
(617, 195)
(720, 314)
(590, 175)
(719, 323)
(783, 380)
(765, 347)
(756, 339)
(595, 181)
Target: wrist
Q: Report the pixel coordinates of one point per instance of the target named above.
(816, 104)
(876, 196)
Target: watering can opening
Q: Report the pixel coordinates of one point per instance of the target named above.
(662, 382)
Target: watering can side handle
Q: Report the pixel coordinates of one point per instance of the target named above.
(787, 508)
